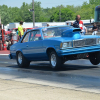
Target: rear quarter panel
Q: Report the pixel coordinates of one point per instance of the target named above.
(54, 44)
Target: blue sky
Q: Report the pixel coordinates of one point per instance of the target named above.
(44, 3)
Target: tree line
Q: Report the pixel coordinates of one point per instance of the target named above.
(55, 14)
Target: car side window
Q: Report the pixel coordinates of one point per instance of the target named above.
(49, 33)
(26, 38)
(35, 35)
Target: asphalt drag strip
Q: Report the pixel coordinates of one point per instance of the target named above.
(75, 75)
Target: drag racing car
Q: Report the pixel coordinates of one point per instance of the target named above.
(56, 44)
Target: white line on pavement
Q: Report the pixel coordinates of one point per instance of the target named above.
(4, 54)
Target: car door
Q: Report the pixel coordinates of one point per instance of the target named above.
(35, 45)
(23, 45)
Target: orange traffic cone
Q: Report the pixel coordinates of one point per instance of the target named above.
(5, 46)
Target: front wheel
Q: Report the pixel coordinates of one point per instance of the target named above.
(55, 60)
(94, 58)
(22, 61)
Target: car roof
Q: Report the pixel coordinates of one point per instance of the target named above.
(51, 27)
(56, 26)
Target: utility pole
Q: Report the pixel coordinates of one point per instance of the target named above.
(33, 14)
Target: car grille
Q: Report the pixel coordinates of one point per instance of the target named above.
(90, 42)
(84, 42)
(78, 43)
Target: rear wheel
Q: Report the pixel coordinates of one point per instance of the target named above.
(22, 61)
(94, 58)
(55, 60)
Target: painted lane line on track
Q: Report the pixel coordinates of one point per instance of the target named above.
(8, 63)
(4, 54)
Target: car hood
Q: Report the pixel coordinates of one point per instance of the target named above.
(66, 39)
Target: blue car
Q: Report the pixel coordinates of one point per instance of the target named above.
(55, 44)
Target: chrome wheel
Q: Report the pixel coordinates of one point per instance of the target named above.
(20, 58)
(53, 60)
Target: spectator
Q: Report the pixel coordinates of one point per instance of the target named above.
(20, 30)
(17, 32)
(67, 24)
(84, 31)
(94, 29)
(71, 24)
(78, 23)
(47, 25)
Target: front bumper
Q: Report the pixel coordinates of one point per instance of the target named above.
(79, 50)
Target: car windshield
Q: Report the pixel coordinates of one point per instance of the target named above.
(51, 32)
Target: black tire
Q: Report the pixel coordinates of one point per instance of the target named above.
(58, 60)
(94, 58)
(24, 63)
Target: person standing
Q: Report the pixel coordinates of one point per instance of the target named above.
(78, 23)
(84, 31)
(94, 29)
(71, 24)
(47, 25)
(20, 30)
(67, 24)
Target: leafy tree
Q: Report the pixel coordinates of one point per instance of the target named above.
(14, 13)
(66, 14)
(94, 2)
(5, 16)
(25, 13)
(74, 8)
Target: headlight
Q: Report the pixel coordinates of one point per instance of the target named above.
(98, 41)
(66, 45)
